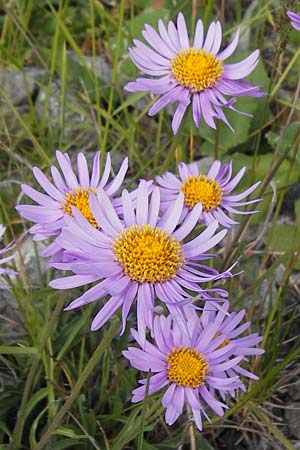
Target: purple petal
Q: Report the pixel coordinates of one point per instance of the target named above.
(199, 34)
(106, 312)
(72, 281)
(239, 70)
(224, 54)
(46, 184)
(128, 300)
(217, 39)
(210, 37)
(142, 204)
(128, 210)
(165, 36)
(67, 170)
(151, 35)
(182, 32)
(38, 197)
(178, 116)
(96, 169)
(118, 179)
(83, 171)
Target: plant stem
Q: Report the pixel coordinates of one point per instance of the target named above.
(80, 382)
(191, 429)
(216, 142)
(271, 173)
(18, 430)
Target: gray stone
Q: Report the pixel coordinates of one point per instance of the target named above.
(73, 116)
(292, 416)
(100, 67)
(288, 204)
(28, 250)
(20, 86)
(294, 391)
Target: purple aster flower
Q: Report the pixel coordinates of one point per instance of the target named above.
(230, 327)
(212, 190)
(4, 270)
(192, 360)
(295, 19)
(140, 256)
(191, 73)
(65, 192)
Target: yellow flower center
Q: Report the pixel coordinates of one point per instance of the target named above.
(201, 189)
(187, 367)
(148, 254)
(225, 342)
(197, 69)
(80, 198)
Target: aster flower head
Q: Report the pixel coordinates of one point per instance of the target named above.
(141, 256)
(5, 259)
(192, 361)
(213, 190)
(65, 191)
(295, 19)
(232, 329)
(191, 73)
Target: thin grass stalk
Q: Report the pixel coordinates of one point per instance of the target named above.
(143, 414)
(286, 71)
(64, 70)
(96, 80)
(216, 142)
(271, 427)
(191, 157)
(262, 385)
(33, 44)
(191, 429)
(113, 80)
(15, 443)
(208, 10)
(271, 173)
(36, 144)
(108, 337)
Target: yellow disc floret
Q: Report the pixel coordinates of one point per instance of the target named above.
(225, 342)
(79, 198)
(187, 367)
(148, 254)
(197, 69)
(201, 189)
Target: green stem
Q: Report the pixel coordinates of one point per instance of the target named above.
(113, 80)
(216, 142)
(18, 430)
(271, 173)
(80, 382)
(143, 414)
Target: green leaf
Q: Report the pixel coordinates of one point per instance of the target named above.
(284, 176)
(68, 432)
(67, 443)
(7, 350)
(288, 136)
(5, 429)
(241, 124)
(283, 238)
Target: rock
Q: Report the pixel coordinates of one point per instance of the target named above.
(288, 204)
(73, 116)
(100, 67)
(292, 416)
(294, 391)
(28, 249)
(20, 86)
